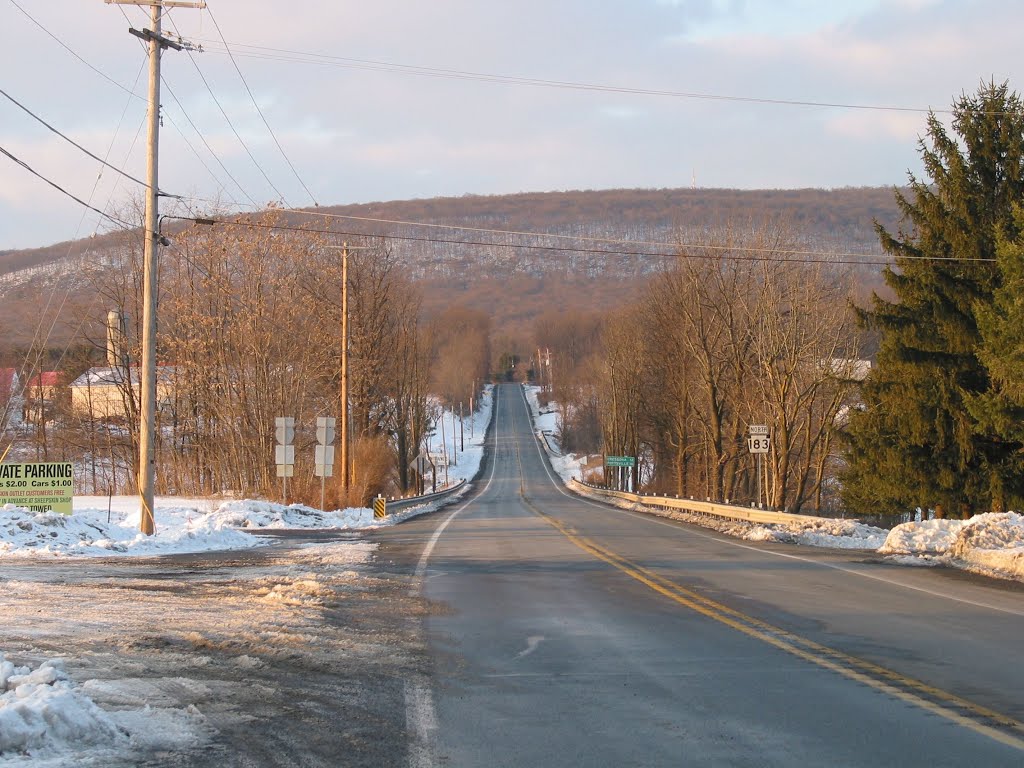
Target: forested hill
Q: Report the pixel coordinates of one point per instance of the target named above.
(843, 215)
(516, 277)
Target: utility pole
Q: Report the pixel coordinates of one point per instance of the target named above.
(147, 427)
(344, 372)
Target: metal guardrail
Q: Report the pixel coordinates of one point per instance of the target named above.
(412, 501)
(708, 508)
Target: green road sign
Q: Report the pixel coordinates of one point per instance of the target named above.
(620, 461)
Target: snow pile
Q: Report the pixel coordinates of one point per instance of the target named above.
(568, 466)
(24, 533)
(266, 514)
(820, 532)
(927, 538)
(991, 543)
(42, 713)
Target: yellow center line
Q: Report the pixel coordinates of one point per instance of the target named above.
(979, 719)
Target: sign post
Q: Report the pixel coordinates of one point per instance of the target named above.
(284, 451)
(759, 444)
(324, 458)
(45, 487)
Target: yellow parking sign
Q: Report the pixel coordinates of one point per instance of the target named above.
(41, 487)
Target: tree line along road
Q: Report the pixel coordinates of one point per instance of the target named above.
(566, 632)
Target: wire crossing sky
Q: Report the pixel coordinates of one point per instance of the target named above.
(358, 102)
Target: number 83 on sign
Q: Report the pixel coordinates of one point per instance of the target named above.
(759, 443)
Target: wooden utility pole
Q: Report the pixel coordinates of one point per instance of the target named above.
(147, 416)
(344, 373)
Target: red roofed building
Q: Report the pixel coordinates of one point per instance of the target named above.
(41, 393)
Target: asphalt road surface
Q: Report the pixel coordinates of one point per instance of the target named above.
(565, 632)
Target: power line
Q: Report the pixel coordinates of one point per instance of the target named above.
(70, 140)
(758, 254)
(63, 191)
(199, 133)
(233, 129)
(132, 93)
(63, 45)
(575, 238)
(304, 57)
(260, 111)
(207, 145)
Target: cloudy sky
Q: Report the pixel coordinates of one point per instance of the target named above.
(368, 103)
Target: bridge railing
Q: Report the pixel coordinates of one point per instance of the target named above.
(412, 501)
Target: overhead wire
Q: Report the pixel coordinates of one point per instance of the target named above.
(556, 236)
(231, 125)
(70, 140)
(184, 112)
(61, 189)
(257, 106)
(67, 48)
(723, 252)
(305, 57)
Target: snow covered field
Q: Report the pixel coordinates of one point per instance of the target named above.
(992, 544)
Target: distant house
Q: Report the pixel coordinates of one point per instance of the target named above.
(101, 393)
(42, 391)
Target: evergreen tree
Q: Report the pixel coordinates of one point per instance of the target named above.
(916, 443)
(1001, 324)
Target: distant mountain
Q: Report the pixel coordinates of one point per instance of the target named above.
(501, 272)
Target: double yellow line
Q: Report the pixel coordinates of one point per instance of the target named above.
(979, 719)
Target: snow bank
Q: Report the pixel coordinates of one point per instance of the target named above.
(42, 713)
(545, 421)
(929, 537)
(818, 532)
(24, 533)
(991, 543)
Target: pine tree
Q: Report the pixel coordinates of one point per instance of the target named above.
(916, 443)
(1001, 325)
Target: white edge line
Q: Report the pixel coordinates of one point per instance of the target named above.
(559, 486)
(420, 714)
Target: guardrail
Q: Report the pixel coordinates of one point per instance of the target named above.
(707, 508)
(412, 501)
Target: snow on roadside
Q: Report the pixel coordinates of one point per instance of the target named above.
(545, 422)
(820, 532)
(43, 714)
(200, 525)
(926, 538)
(991, 543)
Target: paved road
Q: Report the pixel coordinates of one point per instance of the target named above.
(565, 632)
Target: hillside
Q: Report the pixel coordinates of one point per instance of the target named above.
(502, 273)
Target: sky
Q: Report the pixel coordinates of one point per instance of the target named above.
(353, 95)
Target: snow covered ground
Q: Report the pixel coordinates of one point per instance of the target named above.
(197, 525)
(145, 686)
(992, 544)
(49, 720)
